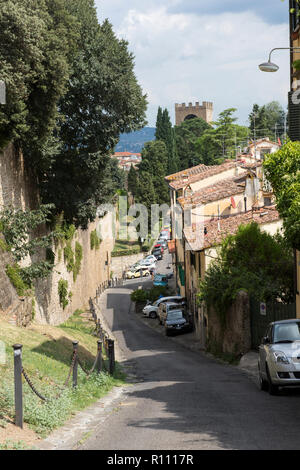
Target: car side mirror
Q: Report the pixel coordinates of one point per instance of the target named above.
(266, 340)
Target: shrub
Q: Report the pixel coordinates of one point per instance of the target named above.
(141, 295)
(63, 292)
(69, 256)
(253, 261)
(78, 259)
(94, 240)
(14, 274)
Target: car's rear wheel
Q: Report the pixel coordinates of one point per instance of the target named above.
(273, 389)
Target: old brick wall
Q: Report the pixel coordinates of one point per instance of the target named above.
(95, 270)
(18, 188)
(235, 337)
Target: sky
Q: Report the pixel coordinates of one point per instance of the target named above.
(204, 50)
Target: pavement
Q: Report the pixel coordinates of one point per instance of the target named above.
(178, 398)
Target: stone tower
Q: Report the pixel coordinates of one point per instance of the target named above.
(184, 112)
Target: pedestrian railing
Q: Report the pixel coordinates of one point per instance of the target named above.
(103, 343)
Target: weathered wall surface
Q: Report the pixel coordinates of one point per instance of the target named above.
(95, 270)
(17, 188)
(235, 338)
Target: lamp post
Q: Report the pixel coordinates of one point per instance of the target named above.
(270, 66)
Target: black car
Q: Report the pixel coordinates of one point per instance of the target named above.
(157, 253)
(176, 321)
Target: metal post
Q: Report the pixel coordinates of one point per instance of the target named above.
(18, 385)
(99, 361)
(75, 368)
(111, 356)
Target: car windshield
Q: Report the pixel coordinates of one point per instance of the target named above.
(173, 307)
(287, 332)
(175, 315)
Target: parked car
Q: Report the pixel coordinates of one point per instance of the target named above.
(150, 310)
(176, 321)
(151, 258)
(159, 245)
(136, 272)
(157, 252)
(166, 307)
(164, 235)
(150, 265)
(160, 280)
(162, 242)
(279, 356)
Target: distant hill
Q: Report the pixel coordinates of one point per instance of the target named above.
(134, 142)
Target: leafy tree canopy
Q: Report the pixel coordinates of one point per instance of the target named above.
(71, 92)
(282, 169)
(253, 261)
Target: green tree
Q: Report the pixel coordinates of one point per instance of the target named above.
(132, 180)
(103, 100)
(159, 131)
(155, 164)
(267, 120)
(225, 131)
(37, 40)
(282, 169)
(165, 132)
(253, 261)
(187, 135)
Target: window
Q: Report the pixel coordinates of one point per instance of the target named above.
(193, 260)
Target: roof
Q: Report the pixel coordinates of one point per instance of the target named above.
(200, 174)
(215, 192)
(264, 140)
(217, 230)
(194, 170)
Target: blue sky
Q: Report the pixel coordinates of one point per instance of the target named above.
(204, 50)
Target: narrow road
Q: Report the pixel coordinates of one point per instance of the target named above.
(185, 400)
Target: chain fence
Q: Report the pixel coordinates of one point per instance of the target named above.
(104, 343)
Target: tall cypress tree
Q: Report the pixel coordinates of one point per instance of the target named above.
(165, 132)
(158, 132)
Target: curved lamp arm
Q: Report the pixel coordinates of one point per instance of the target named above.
(281, 49)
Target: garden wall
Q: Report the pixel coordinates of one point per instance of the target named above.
(235, 337)
(18, 188)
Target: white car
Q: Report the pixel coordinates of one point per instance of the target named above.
(151, 258)
(279, 356)
(149, 265)
(151, 310)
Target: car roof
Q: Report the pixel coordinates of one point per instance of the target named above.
(291, 320)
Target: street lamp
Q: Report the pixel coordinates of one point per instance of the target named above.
(270, 66)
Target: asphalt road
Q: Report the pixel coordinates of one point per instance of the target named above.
(186, 400)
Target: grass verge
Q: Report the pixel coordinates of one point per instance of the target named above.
(47, 354)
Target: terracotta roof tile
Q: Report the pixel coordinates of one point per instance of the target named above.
(220, 190)
(199, 241)
(206, 172)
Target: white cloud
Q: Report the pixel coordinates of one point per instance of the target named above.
(185, 57)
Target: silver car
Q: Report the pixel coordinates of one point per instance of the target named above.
(150, 310)
(279, 356)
